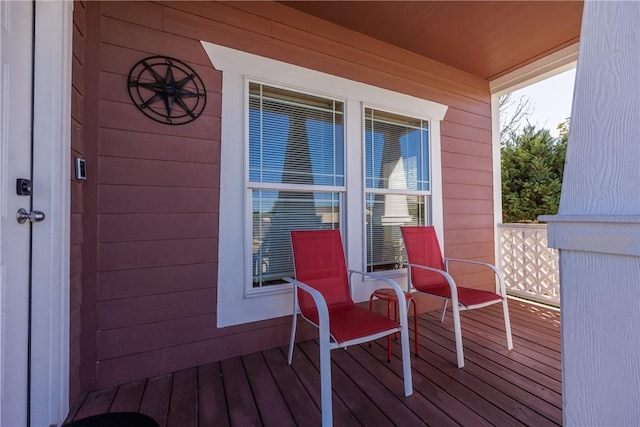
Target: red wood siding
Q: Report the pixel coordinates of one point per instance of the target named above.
(155, 201)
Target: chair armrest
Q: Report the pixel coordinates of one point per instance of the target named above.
(402, 301)
(396, 287)
(318, 299)
(452, 283)
(492, 267)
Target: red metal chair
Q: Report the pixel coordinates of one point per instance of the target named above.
(429, 273)
(322, 293)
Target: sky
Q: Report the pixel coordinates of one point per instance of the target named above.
(550, 99)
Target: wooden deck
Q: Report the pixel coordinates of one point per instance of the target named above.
(496, 386)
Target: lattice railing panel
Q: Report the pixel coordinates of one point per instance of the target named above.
(529, 266)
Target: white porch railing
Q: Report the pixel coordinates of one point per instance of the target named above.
(529, 266)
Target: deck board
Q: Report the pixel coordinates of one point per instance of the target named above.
(425, 383)
(155, 399)
(183, 403)
(292, 389)
(310, 377)
(212, 405)
(240, 402)
(347, 390)
(127, 398)
(387, 400)
(496, 386)
(423, 408)
(96, 403)
(271, 404)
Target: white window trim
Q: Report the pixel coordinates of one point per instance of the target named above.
(234, 305)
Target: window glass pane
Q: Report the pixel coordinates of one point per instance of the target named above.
(295, 138)
(385, 214)
(275, 214)
(397, 151)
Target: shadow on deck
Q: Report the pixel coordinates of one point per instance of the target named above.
(496, 386)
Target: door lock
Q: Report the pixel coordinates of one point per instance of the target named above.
(23, 187)
(34, 216)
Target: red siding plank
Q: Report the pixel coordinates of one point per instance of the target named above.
(452, 174)
(116, 142)
(469, 162)
(143, 39)
(134, 227)
(135, 199)
(155, 281)
(455, 145)
(133, 311)
(145, 14)
(139, 338)
(466, 132)
(160, 173)
(472, 191)
(127, 255)
(116, 115)
(111, 372)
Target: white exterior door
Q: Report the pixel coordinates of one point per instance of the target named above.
(15, 162)
(35, 122)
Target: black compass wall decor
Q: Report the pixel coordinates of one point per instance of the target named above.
(167, 90)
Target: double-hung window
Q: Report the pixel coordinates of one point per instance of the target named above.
(302, 149)
(397, 183)
(296, 173)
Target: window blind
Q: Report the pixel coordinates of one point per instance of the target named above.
(295, 138)
(397, 151)
(297, 142)
(397, 181)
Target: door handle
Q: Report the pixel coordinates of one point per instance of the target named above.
(34, 216)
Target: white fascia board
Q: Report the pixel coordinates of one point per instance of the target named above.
(549, 66)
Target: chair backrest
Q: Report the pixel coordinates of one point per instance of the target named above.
(318, 257)
(423, 248)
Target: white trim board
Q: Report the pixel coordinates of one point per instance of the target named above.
(52, 142)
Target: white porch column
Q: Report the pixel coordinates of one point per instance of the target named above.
(597, 228)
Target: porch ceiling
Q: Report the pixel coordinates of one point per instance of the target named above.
(485, 38)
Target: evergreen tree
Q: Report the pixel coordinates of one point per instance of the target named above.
(532, 166)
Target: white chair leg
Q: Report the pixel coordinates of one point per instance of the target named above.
(292, 340)
(325, 378)
(294, 321)
(458, 334)
(406, 359)
(507, 324)
(444, 310)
